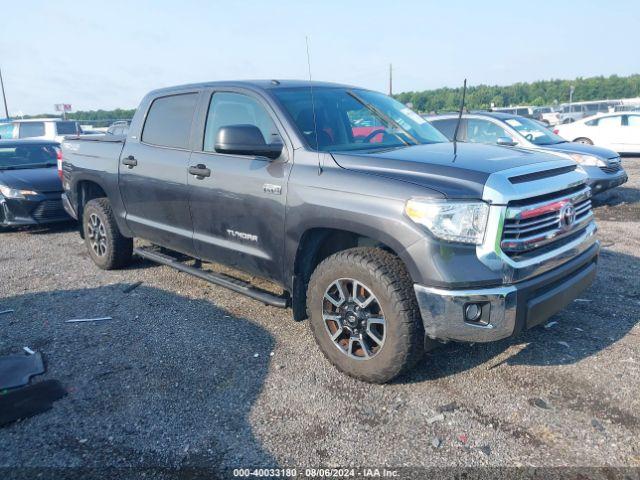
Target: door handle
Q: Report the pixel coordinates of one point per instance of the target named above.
(130, 161)
(200, 171)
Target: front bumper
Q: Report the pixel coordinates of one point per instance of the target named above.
(32, 210)
(600, 181)
(505, 310)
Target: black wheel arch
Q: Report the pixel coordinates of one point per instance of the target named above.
(315, 245)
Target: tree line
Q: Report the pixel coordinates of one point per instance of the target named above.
(543, 92)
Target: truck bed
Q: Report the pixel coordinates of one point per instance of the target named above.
(100, 152)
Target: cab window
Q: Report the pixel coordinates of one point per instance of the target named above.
(483, 131)
(226, 109)
(446, 126)
(31, 129)
(169, 119)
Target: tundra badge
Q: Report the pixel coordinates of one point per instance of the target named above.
(242, 235)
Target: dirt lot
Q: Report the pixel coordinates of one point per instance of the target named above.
(188, 374)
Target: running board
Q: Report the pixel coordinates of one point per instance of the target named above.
(222, 280)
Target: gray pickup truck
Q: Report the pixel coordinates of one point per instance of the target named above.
(371, 224)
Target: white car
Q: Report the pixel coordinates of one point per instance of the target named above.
(53, 129)
(617, 131)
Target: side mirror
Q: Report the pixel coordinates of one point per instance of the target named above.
(245, 140)
(506, 142)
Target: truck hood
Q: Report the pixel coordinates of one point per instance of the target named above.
(573, 147)
(435, 166)
(42, 180)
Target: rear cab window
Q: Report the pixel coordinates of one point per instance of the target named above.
(169, 119)
(67, 128)
(31, 129)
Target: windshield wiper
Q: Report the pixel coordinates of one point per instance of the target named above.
(386, 118)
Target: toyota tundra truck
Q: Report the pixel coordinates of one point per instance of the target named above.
(388, 242)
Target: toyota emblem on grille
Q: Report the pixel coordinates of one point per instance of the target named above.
(567, 216)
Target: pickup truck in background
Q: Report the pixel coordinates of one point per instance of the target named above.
(387, 242)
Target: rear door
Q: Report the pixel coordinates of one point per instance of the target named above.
(609, 132)
(239, 210)
(153, 173)
(631, 133)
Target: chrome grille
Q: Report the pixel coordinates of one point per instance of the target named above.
(49, 210)
(531, 226)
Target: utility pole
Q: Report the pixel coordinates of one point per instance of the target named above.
(571, 90)
(390, 79)
(4, 97)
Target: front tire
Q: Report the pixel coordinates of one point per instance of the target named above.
(364, 315)
(107, 247)
(583, 140)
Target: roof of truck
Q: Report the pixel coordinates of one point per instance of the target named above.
(256, 84)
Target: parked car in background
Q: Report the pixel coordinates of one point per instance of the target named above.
(617, 131)
(523, 111)
(387, 239)
(546, 115)
(118, 128)
(53, 129)
(576, 111)
(602, 165)
(30, 188)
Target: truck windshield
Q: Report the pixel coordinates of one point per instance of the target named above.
(534, 132)
(355, 119)
(27, 156)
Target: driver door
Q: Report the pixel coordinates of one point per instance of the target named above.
(238, 210)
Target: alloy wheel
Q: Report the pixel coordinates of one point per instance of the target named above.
(353, 318)
(97, 235)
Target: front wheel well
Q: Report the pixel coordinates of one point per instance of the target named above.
(316, 245)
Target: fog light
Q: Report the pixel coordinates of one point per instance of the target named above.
(473, 312)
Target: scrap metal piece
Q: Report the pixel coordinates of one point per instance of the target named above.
(16, 370)
(77, 320)
(131, 288)
(6, 311)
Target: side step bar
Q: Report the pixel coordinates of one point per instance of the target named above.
(222, 280)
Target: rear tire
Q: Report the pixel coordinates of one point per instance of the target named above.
(107, 247)
(583, 140)
(375, 345)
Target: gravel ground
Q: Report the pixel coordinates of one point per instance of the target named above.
(188, 374)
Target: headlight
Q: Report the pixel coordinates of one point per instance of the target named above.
(450, 220)
(588, 160)
(15, 193)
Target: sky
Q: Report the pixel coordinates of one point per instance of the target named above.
(108, 54)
